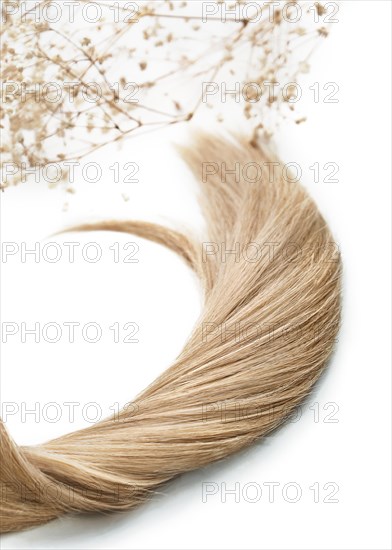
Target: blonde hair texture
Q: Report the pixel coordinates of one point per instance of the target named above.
(287, 302)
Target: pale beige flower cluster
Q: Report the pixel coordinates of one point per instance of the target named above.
(71, 85)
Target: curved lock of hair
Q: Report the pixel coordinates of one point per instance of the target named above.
(288, 303)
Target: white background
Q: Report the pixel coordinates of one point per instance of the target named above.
(162, 296)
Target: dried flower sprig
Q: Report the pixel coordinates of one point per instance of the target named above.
(72, 86)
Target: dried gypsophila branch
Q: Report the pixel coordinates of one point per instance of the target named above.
(135, 83)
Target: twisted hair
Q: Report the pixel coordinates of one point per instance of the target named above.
(280, 313)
